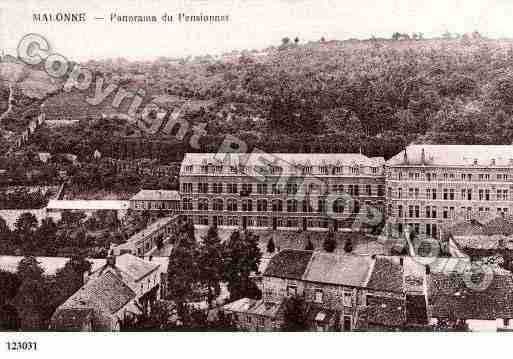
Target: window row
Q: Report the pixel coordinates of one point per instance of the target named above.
(466, 194)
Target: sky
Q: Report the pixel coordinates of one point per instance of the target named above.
(254, 24)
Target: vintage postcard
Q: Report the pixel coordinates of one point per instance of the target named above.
(255, 166)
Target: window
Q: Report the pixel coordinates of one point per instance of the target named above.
(203, 187)
(218, 204)
(292, 188)
(381, 190)
(231, 205)
(217, 188)
(399, 193)
(338, 205)
(318, 296)
(321, 205)
(187, 187)
(291, 290)
(203, 204)
(231, 187)
(291, 205)
(187, 204)
(487, 194)
(451, 194)
(323, 170)
(416, 193)
(277, 188)
(400, 211)
(445, 213)
(247, 188)
(262, 205)
(262, 188)
(203, 220)
(277, 205)
(247, 205)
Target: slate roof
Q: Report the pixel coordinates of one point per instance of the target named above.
(107, 292)
(348, 270)
(156, 195)
(449, 296)
(289, 264)
(256, 307)
(499, 225)
(386, 276)
(467, 228)
(456, 155)
(133, 267)
(385, 311)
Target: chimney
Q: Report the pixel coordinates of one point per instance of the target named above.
(428, 270)
(423, 157)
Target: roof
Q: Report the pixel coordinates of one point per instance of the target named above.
(455, 155)
(387, 276)
(288, 161)
(380, 273)
(108, 293)
(385, 311)
(87, 205)
(255, 307)
(288, 263)
(449, 296)
(156, 195)
(467, 228)
(134, 267)
(145, 232)
(348, 270)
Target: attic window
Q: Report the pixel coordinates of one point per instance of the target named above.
(188, 168)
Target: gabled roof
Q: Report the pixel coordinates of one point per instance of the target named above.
(72, 319)
(288, 263)
(348, 270)
(108, 293)
(387, 276)
(133, 267)
(451, 296)
(455, 155)
(156, 195)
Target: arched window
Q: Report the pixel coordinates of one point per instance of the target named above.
(262, 205)
(218, 204)
(231, 205)
(338, 205)
(277, 205)
(247, 205)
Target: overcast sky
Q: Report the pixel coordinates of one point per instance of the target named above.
(254, 23)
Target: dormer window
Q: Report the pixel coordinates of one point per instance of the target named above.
(218, 168)
(188, 168)
(204, 168)
(355, 170)
(338, 170)
(233, 169)
(307, 170)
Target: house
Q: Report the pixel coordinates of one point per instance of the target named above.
(148, 238)
(156, 200)
(342, 291)
(474, 300)
(121, 289)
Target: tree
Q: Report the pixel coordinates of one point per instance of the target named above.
(182, 273)
(211, 263)
(242, 257)
(309, 246)
(285, 41)
(330, 243)
(72, 218)
(270, 246)
(70, 278)
(29, 268)
(296, 40)
(295, 314)
(10, 283)
(26, 223)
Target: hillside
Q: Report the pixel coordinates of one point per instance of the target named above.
(374, 95)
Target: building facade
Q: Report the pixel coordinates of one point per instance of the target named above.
(430, 186)
(282, 191)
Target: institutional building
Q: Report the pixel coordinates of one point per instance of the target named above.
(430, 186)
(282, 190)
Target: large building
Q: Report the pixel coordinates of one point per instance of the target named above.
(430, 186)
(282, 191)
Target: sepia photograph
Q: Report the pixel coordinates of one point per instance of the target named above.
(255, 166)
